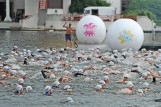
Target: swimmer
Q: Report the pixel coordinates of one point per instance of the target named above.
(102, 83)
(64, 78)
(28, 88)
(139, 92)
(19, 90)
(146, 86)
(67, 88)
(125, 78)
(57, 84)
(98, 88)
(128, 89)
(48, 90)
(3, 79)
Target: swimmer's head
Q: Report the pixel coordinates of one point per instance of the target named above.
(13, 72)
(56, 84)
(19, 89)
(28, 88)
(66, 87)
(98, 88)
(21, 81)
(3, 77)
(145, 85)
(48, 89)
(129, 84)
(52, 76)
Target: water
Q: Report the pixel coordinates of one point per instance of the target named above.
(83, 95)
(31, 39)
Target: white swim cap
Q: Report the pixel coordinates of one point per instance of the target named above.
(50, 60)
(21, 80)
(1, 65)
(111, 63)
(102, 82)
(56, 83)
(6, 67)
(66, 87)
(129, 84)
(13, 72)
(105, 77)
(3, 76)
(126, 75)
(28, 51)
(47, 88)
(69, 99)
(28, 88)
(145, 84)
(159, 72)
(32, 60)
(19, 87)
(52, 76)
(144, 74)
(115, 51)
(140, 91)
(159, 50)
(103, 66)
(98, 87)
(15, 47)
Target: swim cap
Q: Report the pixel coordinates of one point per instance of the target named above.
(98, 87)
(145, 84)
(3, 76)
(52, 76)
(129, 84)
(15, 47)
(69, 99)
(28, 51)
(102, 82)
(1, 65)
(144, 74)
(159, 72)
(20, 80)
(140, 91)
(126, 75)
(6, 67)
(50, 60)
(13, 72)
(19, 87)
(28, 88)
(56, 83)
(105, 77)
(47, 88)
(66, 87)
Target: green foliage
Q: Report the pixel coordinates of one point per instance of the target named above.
(150, 8)
(79, 5)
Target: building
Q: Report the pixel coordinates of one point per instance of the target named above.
(117, 4)
(14, 10)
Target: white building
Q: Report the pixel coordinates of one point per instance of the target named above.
(117, 4)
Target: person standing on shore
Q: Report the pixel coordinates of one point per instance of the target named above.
(68, 35)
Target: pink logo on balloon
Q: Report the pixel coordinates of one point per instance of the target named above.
(89, 29)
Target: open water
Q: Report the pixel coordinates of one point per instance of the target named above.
(83, 94)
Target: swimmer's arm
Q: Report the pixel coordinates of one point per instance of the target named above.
(156, 76)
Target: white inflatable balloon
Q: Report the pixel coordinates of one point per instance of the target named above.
(91, 30)
(125, 33)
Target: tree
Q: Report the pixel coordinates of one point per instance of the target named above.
(79, 5)
(150, 8)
